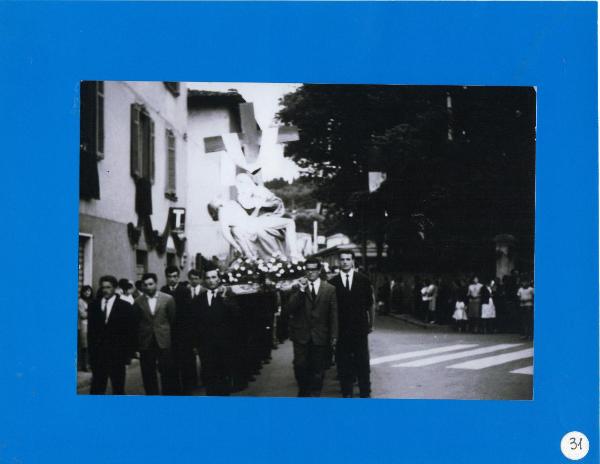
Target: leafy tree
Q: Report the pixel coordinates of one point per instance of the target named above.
(459, 164)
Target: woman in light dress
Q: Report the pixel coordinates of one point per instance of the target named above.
(488, 309)
(460, 315)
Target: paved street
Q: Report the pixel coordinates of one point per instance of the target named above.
(413, 362)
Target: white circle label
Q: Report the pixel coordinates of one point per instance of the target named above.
(575, 446)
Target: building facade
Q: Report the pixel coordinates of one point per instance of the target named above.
(210, 115)
(133, 156)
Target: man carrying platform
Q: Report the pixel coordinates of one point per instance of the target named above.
(313, 326)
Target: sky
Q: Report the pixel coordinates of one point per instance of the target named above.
(266, 104)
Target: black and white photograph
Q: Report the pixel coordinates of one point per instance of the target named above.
(306, 240)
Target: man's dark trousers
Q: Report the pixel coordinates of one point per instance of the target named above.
(309, 366)
(102, 371)
(353, 361)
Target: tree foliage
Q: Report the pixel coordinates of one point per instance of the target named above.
(459, 163)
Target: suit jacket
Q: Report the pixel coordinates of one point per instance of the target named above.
(354, 306)
(217, 324)
(112, 340)
(158, 325)
(313, 320)
(183, 330)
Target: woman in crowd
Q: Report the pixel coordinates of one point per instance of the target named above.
(460, 314)
(525, 295)
(488, 309)
(85, 298)
(474, 304)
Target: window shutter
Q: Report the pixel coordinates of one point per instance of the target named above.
(87, 129)
(100, 119)
(89, 181)
(151, 151)
(136, 156)
(171, 163)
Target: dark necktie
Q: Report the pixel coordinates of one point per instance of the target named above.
(104, 309)
(347, 284)
(312, 291)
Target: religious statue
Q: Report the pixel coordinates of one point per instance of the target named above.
(253, 223)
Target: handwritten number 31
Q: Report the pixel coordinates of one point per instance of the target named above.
(574, 444)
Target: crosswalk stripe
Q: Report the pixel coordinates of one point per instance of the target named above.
(415, 354)
(524, 370)
(462, 354)
(496, 360)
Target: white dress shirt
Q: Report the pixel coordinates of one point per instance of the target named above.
(210, 295)
(316, 284)
(107, 306)
(349, 275)
(196, 290)
(152, 303)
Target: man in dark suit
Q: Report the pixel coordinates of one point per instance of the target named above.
(216, 320)
(111, 338)
(155, 315)
(356, 314)
(313, 325)
(184, 373)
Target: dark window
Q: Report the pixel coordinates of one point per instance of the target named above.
(141, 263)
(171, 259)
(171, 187)
(172, 87)
(142, 143)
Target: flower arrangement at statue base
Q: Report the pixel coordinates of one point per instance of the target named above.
(246, 275)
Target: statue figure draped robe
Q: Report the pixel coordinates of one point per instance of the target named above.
(253, 224)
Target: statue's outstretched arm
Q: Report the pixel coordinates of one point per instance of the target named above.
(226, 231)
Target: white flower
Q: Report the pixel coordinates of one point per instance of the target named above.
(238, 275)
(243, 268)
(236, 267)
(249, 271)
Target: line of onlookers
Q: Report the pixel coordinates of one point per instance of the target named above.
(494, 305)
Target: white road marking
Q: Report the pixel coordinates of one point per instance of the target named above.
(525, 370)
(490, 361)
(462, 354)
(415, 354)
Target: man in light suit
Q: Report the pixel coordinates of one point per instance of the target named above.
(155, 314)
(313, 326)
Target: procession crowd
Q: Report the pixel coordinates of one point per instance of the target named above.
(496, 305)
(170, 330)
(202, 323)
